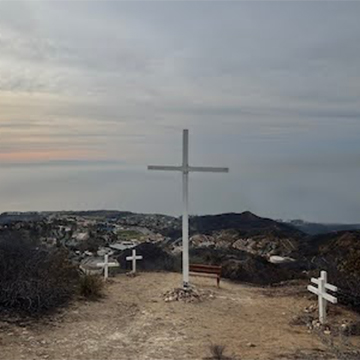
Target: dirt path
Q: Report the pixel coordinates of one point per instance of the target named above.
(133, 322)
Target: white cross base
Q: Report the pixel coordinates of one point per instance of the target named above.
(133, 258)
(323, 296)
(106, 264)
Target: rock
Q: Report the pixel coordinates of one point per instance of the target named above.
(316, 324)
(190, 295)
(350, 328)
(310, 309)
(249, 344)
(131, 274)
(275, 259)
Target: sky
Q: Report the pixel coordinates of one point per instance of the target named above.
(93, 92)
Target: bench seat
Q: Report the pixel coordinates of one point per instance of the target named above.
(206, 270)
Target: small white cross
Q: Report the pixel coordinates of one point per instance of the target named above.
(320, 291)
(133, 258)
(106, 264)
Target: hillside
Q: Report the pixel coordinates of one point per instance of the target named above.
(340, 243)
(134, 322)
(246, 222)
(339, 250)
(312, 228)
(7, 217)
(247, 232)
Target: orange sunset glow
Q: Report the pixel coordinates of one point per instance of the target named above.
(49, 155)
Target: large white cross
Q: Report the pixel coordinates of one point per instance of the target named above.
(185, 168)
(133, 258)
(320, 291)
(106, 264)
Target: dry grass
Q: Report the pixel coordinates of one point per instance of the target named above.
(91, 287)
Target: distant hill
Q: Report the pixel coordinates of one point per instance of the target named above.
(319, 228)
(339, 244)
(246, 222)
(114, 214)
(9, 217)
(248, 232)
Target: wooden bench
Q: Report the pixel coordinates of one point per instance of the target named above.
(206, 270)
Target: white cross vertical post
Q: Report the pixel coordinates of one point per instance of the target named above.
(185, 169)
(185, 215)
(133, 258)
(323, 296)
(106, 264)
(321, 300)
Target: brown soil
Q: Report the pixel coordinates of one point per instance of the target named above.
(134, 322)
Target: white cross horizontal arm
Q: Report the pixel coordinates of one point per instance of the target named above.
(209, 169)
(189, 168)
(137, 257)
(167, 168)
(326, 296)
(327, 286)
(112, 264)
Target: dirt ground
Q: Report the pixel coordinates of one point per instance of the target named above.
(134, 322)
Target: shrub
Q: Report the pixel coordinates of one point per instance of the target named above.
(91, 287)
(93, 243)
(347, 281)
(217, 353)
(34, 279)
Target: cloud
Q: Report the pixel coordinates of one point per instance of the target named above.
(266, 88)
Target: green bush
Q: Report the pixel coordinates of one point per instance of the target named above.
(91, 287)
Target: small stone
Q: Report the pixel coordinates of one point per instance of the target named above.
(327, 332)
(249, 344)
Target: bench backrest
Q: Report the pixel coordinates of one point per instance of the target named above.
(208, 269)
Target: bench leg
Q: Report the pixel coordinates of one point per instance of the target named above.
(218, 281)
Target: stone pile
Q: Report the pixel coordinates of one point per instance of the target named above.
(344, 327)
(190, 295)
